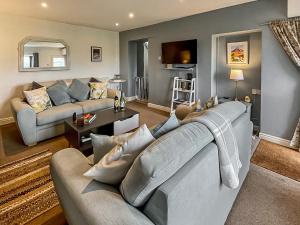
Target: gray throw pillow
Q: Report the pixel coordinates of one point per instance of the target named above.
(79, 90)
(166, 126)
(112, 168)
(161, 160)
(102, 144)
(58, 93)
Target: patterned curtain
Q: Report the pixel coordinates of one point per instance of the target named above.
(295, 143)
(288, 34)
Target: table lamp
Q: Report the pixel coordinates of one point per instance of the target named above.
(236, 75)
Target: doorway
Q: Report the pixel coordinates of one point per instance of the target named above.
(223, 85)
(138, 68)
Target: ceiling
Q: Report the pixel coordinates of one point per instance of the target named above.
(105, 14)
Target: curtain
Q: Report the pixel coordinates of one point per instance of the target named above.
(288, 34)
(36, 60)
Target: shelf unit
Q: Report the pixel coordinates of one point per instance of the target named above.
(189, 93)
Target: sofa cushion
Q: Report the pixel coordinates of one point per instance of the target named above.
(79, 90)
(112, 168)
(94, 105)
(161, 160)
(98, 90)
(38, 99)
(58, 113)
(102, 144)
(58, 93)
(165, 127)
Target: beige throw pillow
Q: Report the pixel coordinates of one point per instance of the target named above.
(98, 90)
(38, 99)
(113, 167)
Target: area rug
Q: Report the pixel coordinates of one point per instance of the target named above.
(278, 159)
(266, 198)
(26, 189)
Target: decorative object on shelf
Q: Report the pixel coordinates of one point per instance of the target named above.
(238, 53)
(236, 75)
(210, 103)
(247, 99)
(216, 101)
(198, 105)
(122, 102)
(96, 54)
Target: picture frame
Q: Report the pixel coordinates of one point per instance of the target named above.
(238, 53)
(96, 54)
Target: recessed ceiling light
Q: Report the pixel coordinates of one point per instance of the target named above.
(117, 24)
(131, 15)
(44, 5)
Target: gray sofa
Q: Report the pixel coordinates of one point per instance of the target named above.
(194, 195)
(50, 123)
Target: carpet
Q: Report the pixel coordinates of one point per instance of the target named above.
(278, 159)
(266, 198)
(26, 189)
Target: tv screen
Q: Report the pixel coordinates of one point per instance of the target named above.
(179, 52)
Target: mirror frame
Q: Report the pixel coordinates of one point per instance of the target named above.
(36, 69)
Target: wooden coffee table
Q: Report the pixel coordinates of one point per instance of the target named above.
(107, 122)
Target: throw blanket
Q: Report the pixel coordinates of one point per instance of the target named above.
(218, 121)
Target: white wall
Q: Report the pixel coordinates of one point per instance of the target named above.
(14, 28)
(293, 8)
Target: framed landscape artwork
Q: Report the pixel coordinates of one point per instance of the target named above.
(96, 54)
(238, 53)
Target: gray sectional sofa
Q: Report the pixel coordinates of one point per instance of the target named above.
(50, 123)
(194, 195)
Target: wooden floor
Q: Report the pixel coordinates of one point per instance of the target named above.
(271, 156)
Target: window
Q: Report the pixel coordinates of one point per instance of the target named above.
(27, 61)
(58, 61)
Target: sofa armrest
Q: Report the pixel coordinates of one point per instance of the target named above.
(25, 118)
(86, 201)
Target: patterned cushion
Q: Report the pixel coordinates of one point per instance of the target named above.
(38, 99)
(98, 90)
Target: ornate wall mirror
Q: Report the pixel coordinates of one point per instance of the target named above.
(42, 54)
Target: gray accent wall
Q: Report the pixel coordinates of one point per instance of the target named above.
(280, 79)
(252, 71)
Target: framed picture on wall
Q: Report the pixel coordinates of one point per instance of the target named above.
(96, 54)
(238, 53)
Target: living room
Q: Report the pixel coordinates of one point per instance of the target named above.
(129, 107)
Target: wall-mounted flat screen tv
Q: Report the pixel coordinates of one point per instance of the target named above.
(179, 52)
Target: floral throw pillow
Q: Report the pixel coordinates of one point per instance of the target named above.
(98, 90)
(38, 99)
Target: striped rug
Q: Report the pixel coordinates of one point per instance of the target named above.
(26, 189)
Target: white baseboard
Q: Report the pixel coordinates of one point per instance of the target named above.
(8, 120)
(131, 98)
(274, 139)
(159, 107)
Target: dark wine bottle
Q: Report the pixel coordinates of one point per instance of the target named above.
(116, 104)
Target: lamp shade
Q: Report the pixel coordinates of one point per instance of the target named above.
(236, 75)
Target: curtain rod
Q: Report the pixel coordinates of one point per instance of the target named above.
(282, 20)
